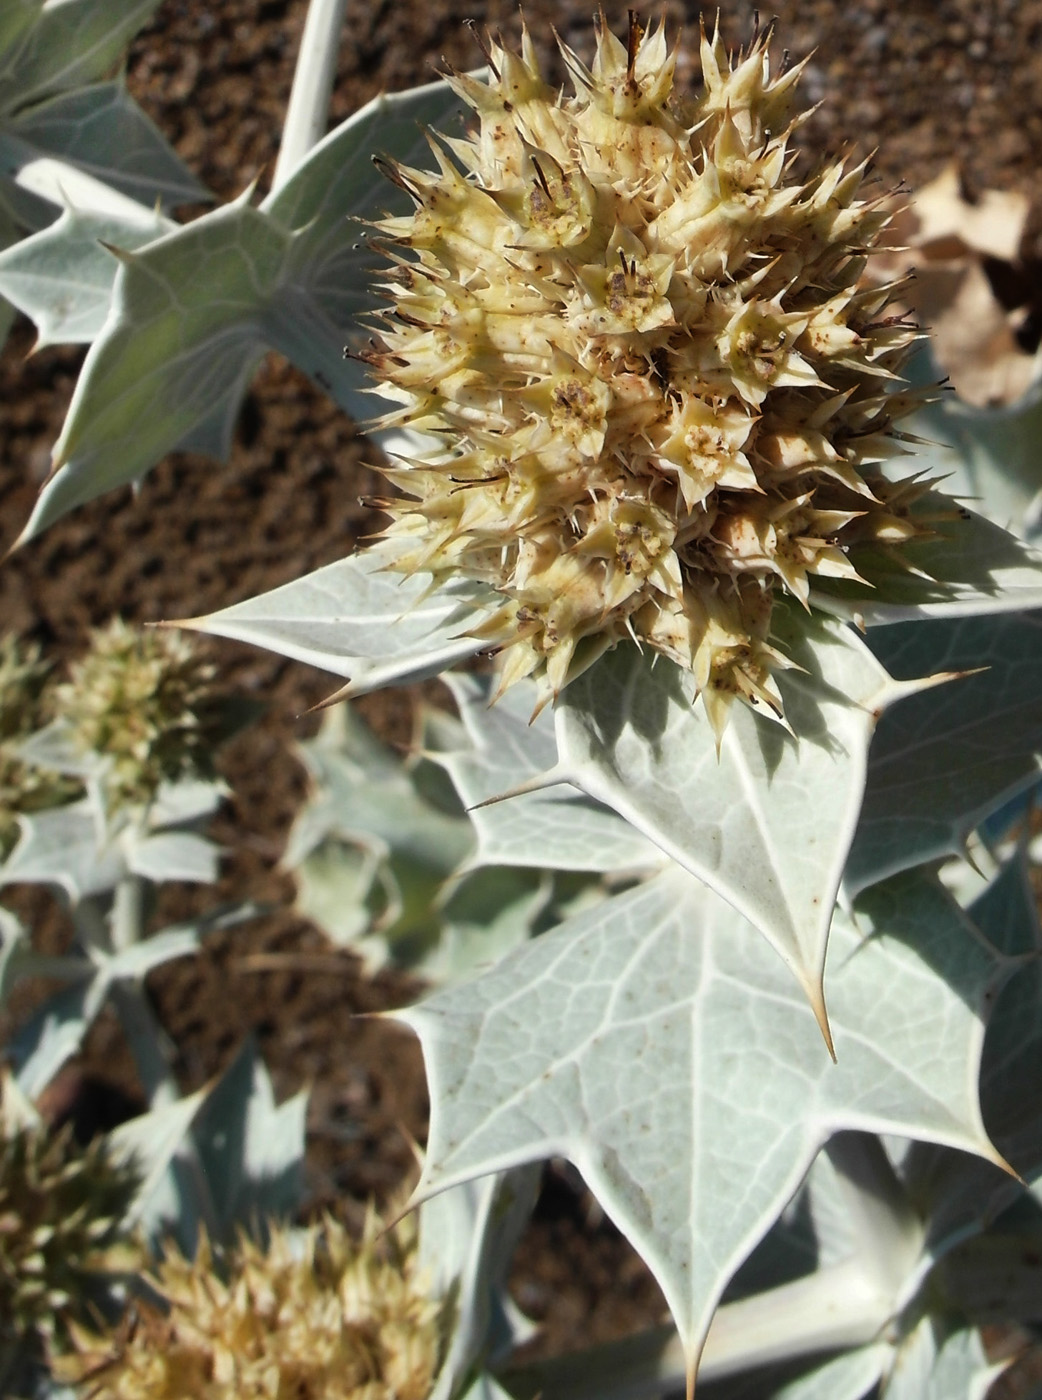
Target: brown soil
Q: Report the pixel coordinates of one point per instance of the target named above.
(923, 81)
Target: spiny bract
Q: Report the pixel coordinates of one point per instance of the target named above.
(661, 386)
(314, 1317)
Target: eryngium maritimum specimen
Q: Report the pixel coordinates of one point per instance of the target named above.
(662, 390)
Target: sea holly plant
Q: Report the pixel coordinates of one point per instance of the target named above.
(661, 469)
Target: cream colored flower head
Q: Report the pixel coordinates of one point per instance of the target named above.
(662, 391)
(315, 1316)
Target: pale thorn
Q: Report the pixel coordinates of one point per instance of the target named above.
(894, 690)
(814, 990)
(553, 777)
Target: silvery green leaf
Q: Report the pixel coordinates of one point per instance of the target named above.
(1011, 1075)
(373, 854)
(357, 618)
(72, 42)
(966, 877)
(487, 913)
(251, 1150)
(988, 457)
(24, 208)
(346, 740)
(54, 746)
(940, 1361)
(378, 802)
(194, 311)
(558, 826)
(140, 959)
(378, 852)
(35, 186)
(64, 847)
(180, 344)
(1006, 911)
(338, 177)
(63, 276)
(55, 1031)
(467, 1240)
(560, 1051)
(100, 129)
(941, 762)
(188, 800)
(960, 1194)
(767, 821)
(388, 912)
(972, 568)
(328, 282)
(152, 1141)
(852, 1375)
(16, 18)
(172, 855)
(336, 881)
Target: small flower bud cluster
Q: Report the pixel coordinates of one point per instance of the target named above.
(144, 700)
(663, 391)
(315, 1316)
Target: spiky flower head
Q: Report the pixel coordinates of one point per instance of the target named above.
(144, 700)
(315, 1316)
(662, 392)
(24, 709)
(61, 1207)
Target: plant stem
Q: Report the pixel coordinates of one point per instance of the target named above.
(128, 913)
(308, 109)
(145, 1035)
(147, 1041)
(829, 1310)
(888, 1233)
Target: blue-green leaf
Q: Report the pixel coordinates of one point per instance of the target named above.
(767, 821)
(101, 130)
(659, 1045)
(63, 276)
(359, 619)
(940, 762)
